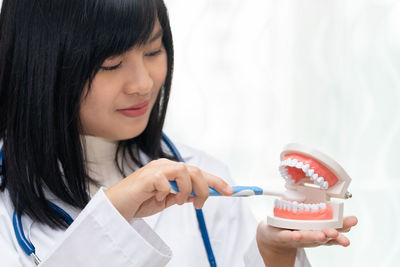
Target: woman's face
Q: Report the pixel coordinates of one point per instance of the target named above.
(124, 91)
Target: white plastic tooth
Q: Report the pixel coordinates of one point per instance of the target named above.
(299, 165)
(314, 207)
(307, 207)
(294, 208)
(301, 207)
(314, 177)
(320, 180)
(305, 168)
(276, 204)
(294, 162)
(310, 172)
(288, 162)
(322, 206)
(280, 204)
(325, 185)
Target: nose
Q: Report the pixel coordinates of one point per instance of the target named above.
(139, 80)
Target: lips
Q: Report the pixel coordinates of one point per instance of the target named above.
(138, 106)
(135, 110)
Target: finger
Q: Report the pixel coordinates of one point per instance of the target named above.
(348, 222)
(170, 200)
(190, 199)
(177, 171)
(160, 196)
(342, 240)
(331, 233)
(331, 242)
(218, 184)
(288, 235)
(162, 187)
(309, 236)
(199, 185)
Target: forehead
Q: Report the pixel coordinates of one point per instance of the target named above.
(157, 27)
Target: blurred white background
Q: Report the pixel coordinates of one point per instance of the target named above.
(254, 75)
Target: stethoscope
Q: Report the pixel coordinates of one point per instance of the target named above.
(30, 250)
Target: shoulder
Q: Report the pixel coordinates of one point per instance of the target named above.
(204, 161)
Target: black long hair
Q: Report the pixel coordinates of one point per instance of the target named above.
(49, 49)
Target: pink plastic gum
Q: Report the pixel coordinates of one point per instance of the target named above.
(319, 178)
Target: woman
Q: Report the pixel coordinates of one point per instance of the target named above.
(84, 87)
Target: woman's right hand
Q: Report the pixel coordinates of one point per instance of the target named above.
(147, 191)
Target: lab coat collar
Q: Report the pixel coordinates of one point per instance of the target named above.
(186, 152)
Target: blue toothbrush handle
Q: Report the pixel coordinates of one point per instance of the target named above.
(238, 191)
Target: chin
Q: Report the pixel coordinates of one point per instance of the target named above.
(127, 134)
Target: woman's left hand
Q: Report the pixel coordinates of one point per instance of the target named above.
(278, 246)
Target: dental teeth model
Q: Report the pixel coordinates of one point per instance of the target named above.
(312, 179)
(319, 178)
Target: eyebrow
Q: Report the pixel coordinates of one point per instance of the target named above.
(156, 36)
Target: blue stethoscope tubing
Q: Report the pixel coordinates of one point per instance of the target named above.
(199, 212)
(30, 250)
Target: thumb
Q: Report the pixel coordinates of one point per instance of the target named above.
(170, 200)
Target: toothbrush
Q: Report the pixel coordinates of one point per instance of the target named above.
(246, 191)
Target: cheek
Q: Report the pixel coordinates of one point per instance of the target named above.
(159, 71)
(100, 96)
(96, 104)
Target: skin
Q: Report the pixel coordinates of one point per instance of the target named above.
(278, 246)
(137, 76)
(123, 81)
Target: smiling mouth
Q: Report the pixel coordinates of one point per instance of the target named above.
(136, 110)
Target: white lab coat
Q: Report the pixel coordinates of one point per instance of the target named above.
(100, 236)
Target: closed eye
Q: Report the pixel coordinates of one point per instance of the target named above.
(111, 67)
(154, 53)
